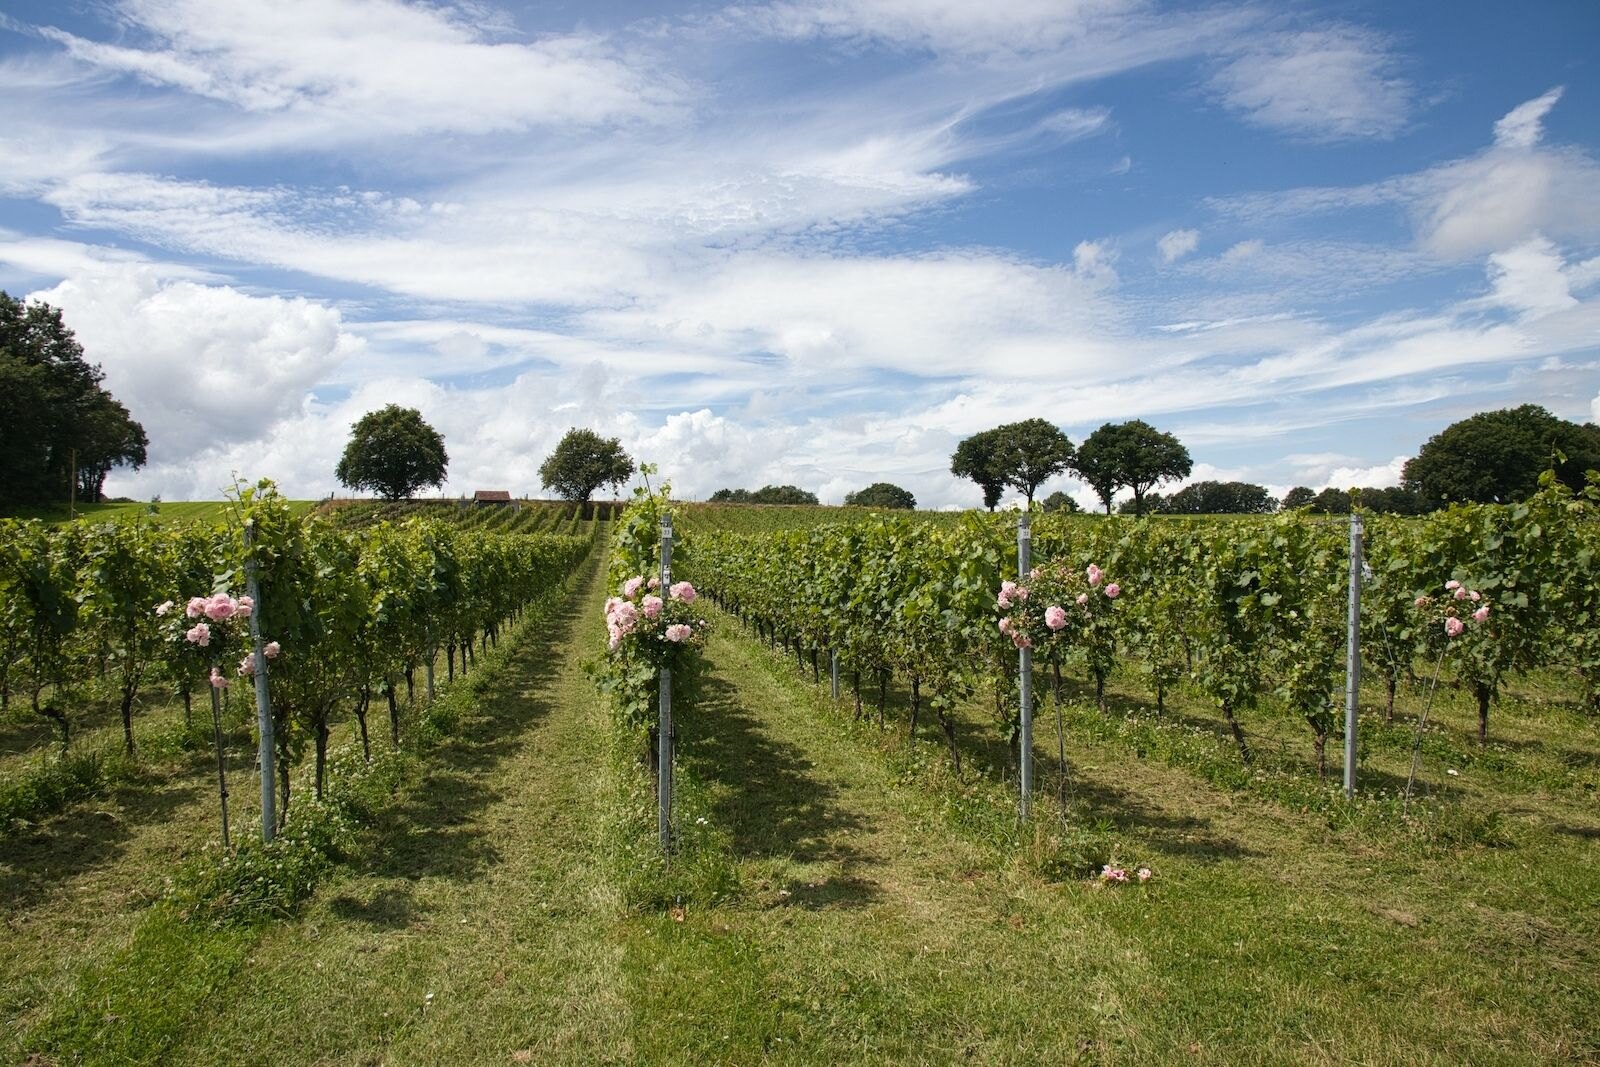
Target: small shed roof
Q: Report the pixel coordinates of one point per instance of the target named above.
(498, 496)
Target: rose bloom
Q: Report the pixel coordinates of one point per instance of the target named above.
(1453, 626)
(1481, 614)
(631, 586)
(652, 606)
(683, 591)
(196, 607)
(272, 649)
(164, 607)
(1083, 599)
(1055, 617)
(678, 632)
(1113, 590)
(1095, 574)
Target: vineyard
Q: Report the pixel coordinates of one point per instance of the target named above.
(465, 707)
(1242, 613)
(100, 616)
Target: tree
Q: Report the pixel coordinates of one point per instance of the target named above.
(1330, 501)
(584, 461)
(977, 457)
(394, 452)
(1060, 502)
(882, 495)
(1030, 453)
(60, 430)
(1391, 500)
(782, 494)
(1497, 456)
(1131, 455)
(1220, 498)
(1298, 497)
(731, 496)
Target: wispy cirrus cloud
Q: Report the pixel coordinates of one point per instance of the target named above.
(378, 67)
(1329, 83)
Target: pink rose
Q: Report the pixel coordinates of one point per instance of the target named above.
(653, 583)
(1021, 593)
(1020, 639)
(196, 607)
(1113, 590)
(1110, 874)
(678, 632)
(1033, 575)
(1422, 602)
(164, 607)
(1003, 600)
(272, 649)
(1145, 874)
(220, 608)
(652, 606)
(1475, 595)
(616, 638)
(1083, 599)
(248, 664)
(218, 680)
(1005, 626)
(1453, 626)
(1055, 617)
(683, 591)
(631, 586)
(1460, 593)
(1095, 574)
(200, 635)
(1481, 614)
(625, 617)
(1452, 584)
(244, 606)
(612, 603)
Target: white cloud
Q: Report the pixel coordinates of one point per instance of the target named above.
(379, 67)
(200, 365)
(1523, 126)
(1377, 476)
(1176, 244)
(1336, 83)
(941, 25)
(1531, 279)
(1465, 208)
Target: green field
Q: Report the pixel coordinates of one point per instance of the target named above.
(871, 907)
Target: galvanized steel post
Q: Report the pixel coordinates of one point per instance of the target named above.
(1024, 552)
(664, 726)
(1352, 684)
(268, 756)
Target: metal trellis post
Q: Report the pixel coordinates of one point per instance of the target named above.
(664, 727)
(268, 759)
(1024, 551)
(1352, 685)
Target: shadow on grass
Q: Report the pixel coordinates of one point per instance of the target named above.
(88, 836)
(772, 802)
(387, 909)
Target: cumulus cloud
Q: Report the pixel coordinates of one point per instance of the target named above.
(1334, 83)
(1175, 244)
(1531, 279)
(200, 365)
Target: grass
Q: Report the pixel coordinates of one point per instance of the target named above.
(177, 511)
(873, 920)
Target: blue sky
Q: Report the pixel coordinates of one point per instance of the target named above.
(807, 241)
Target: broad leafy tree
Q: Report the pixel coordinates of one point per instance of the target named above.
(394, 452)
(1298, 497)
(882, 495)
(584, 461)
(1497, 456)
(1219, 498)
(978, 457)
(767, 494)
(1131, 455)
(1060, 502)
(1032, 452)
(59, 428)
